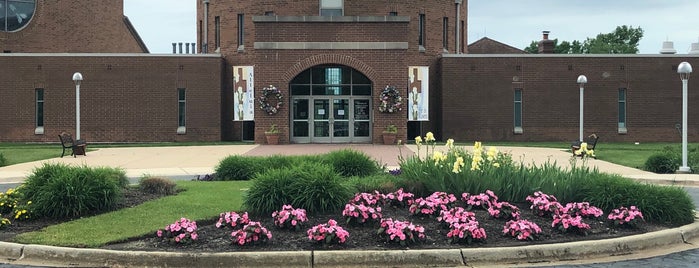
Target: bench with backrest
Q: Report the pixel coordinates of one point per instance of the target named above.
(590, 140)
(76, 147)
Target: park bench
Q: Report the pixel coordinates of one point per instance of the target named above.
(591, 143)
(77, 147)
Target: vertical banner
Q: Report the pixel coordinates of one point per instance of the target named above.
(243, 93)
(418, 93)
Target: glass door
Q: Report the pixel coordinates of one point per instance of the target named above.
(326, 119)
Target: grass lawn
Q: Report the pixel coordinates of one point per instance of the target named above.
(16, 153)
(621, 153)
(199, 201)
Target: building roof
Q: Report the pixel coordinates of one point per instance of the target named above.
(486, 45)
(135, 34)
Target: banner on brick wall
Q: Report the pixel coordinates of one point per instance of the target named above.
(243, 93)
(418, 93)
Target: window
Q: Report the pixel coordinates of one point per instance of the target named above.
(622, 110)
(332, 7)
(462, 37)
(518, 111)
(15, 14)
(421, 31)
(445, 33)
(181, 110)
(241, 33)
(39, 93)
(217, 31)
(393, 13)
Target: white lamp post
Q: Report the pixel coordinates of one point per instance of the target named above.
(77, 78)
(582, 80)
(684, 69)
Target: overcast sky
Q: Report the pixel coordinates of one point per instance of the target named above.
(513, 22)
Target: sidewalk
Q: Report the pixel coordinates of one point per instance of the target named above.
(200, 160)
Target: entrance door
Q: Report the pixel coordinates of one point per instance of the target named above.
(332, 119)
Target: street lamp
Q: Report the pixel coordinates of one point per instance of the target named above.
(77, 78)
(684, 69)
(582, 80)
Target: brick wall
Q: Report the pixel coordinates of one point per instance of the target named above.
(76, 26)
(278, 67)
(478, 97)
(123, 97)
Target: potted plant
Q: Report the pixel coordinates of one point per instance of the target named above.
(272, 135)
(389, 134)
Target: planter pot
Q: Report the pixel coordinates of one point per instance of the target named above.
(389, 138)
(272, 139)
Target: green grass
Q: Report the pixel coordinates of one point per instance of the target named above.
(17, 153)
(199, 201)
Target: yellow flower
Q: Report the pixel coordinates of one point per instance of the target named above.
(438, 157)
(477, 145)
(458, 164)
(474, 165)
(29, 202)
(429, 137)
(450, 143)
(418, 140)
(496, 164)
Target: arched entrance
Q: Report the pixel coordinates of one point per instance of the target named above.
(330, 104)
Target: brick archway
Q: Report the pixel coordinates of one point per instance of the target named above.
(330, 59)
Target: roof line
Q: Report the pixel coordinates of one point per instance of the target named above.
(135, 34)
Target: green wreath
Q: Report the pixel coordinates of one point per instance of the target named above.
(271, 93)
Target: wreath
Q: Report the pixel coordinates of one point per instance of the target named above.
(271, 93)
(391, 100)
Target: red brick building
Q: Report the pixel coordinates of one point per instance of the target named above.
(331, 60)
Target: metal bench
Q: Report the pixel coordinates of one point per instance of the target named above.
(591, 143)
(77, 147)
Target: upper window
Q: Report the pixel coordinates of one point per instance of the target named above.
(421, 30)
(15, 14)
(622, 110)
(332, 7)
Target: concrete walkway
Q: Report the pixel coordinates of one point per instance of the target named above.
(199, 160)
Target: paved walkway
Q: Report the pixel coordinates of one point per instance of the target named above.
(199, 160)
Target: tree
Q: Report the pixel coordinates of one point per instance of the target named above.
(623, 40)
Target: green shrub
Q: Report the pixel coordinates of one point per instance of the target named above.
(158, 185)
(3, 160)
(60, 191)
(319, 189)
(350, 163)
(270, 190)
(666, 161)
(239, 168)
(384, 183)
(311, 186)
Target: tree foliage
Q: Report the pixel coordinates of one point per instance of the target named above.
(623, 40)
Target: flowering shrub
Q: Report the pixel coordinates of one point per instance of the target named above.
(491, 158)
(328, 233)
(403, 232)
(521, 229)
(359, 213)
(482, 200)
(466, 232)
(544, 204)
(289, 218)
(583, 209)
(430, 205)
(625, 216)
(181, 231)
(399, 198)
(251, 233)
(567, 223)
(232, 219)
(367, 199)
(4, 222)
(503, 210)
(390, 100)
(8, 200)
(456, 215)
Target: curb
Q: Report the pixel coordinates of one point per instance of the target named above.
(61, 256)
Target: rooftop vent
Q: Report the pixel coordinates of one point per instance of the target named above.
(694, 49)
(668, 48)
